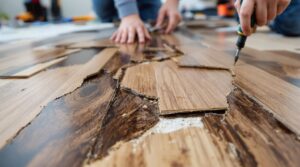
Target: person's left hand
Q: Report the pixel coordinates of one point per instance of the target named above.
(170, 11)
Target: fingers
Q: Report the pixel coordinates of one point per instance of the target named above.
(131, 35)
(237, 6)
(141, 36)
(161, 17)
(261, 13)
(114, 35)
(147, 34)
(174, 19)
(282, 5)
(272, 11)
(246, 11)
(124, 36)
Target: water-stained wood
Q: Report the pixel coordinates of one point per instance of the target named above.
(180, 89)
(281, 97)
(129, 116)
(254, 134)
(25, 99)
(65, 131)
(188, 147)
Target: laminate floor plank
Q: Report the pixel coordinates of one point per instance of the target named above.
(281, 97)
(180, 89)
(285, 65)
(25, 99)
(205, 58)
(21, 61)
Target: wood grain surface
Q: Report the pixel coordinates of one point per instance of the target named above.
(34, 93)
(180, 89)
(64, 132)
(205, 58)
(16, 63)
(281, 97)
(282, 64)
(188, 147)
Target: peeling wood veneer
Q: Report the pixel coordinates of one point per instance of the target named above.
(180, 89)
(49, 84)
(103, 43)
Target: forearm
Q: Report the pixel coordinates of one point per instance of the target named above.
(126, 7)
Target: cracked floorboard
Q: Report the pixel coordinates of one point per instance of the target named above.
(180, 89)
(34, 93)
(116, 122)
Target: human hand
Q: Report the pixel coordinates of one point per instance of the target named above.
(169, 10)
(130, 27)
(265, 11)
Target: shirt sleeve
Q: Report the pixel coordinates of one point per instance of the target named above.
(126, 7)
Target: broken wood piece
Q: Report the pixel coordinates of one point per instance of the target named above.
(50, 84)
(205, 58)
(37, 68)
(280, 97)
(180, 89)
(192, 147)
(15, 64)
(103, 43)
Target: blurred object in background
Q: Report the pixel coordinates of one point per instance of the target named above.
(197, 9)
(35, 11)
(56, 10)
(226, 8)
(3, 18)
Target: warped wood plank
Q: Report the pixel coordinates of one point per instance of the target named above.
(258, 138)
(205, 58)
(10, 65)
(281, 97)
(36, 68)
(180, 89)
(26, 98)
(188, 147)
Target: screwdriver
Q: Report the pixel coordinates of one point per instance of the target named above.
(242, 37)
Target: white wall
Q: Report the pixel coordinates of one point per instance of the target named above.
(69, 7)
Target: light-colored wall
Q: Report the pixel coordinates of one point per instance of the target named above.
(69, 7)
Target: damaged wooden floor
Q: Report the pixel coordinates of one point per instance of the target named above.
(171, 102)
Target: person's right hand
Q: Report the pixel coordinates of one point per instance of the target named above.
(265, 11)
(131, 26)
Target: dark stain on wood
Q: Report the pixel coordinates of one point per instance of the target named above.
(259, 139)
(129, 117)
(80, 57)
(118, 61)
(65, 130)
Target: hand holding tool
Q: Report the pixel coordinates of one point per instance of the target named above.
(242, 37)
